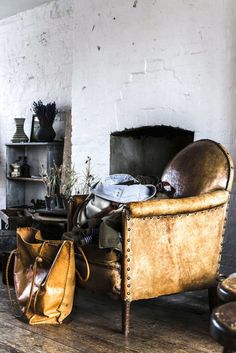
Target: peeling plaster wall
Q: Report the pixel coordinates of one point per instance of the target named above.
(35, 63)
(149, 62)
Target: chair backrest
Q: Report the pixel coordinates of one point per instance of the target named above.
(200, 167)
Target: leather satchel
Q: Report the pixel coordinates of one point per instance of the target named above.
(44, 277)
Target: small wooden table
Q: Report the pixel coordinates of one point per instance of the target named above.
(54, 216)
(52, 223)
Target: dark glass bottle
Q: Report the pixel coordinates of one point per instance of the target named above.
(25, 169)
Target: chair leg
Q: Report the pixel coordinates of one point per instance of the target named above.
(125, 317)
(227, 350)
(213, 299)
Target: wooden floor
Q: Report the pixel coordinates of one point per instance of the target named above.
(169, 324)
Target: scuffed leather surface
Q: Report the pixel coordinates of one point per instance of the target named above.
(104, 277)
(54, 284)
(199, 168)
(96, 255)
(181, 205)
(171, 254)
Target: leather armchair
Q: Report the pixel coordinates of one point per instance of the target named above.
(169, 245)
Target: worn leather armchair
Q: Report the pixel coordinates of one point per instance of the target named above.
(169, 245)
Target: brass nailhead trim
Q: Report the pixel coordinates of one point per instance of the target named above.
(184, 214)
(223, 236)
(129, 225)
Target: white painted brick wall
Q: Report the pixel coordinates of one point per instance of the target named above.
(161, 62)
(35, 63)
(150, 62)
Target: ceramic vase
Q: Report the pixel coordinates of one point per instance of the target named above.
(50, 202)
(20, 135)
(45, 132)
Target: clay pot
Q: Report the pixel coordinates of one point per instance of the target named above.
(45, 132)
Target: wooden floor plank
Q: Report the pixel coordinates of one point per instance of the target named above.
(176, 323)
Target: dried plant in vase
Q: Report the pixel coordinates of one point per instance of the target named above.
(52, 180)
(87, 179)
(46, 116)
(68, 182)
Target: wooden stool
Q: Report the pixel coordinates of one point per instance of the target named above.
(226, 289)
(223, 326)
(223, 318)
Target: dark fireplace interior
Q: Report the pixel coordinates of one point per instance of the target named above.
(146, 150)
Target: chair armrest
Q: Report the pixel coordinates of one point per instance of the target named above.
(161, 207)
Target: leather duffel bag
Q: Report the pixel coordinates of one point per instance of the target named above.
(44, 277)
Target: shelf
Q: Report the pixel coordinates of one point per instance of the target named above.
(21, 190)
(34, 143)
(25, 179)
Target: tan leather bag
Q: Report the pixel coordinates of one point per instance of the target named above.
(44, 277)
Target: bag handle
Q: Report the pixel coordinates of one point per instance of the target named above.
(86, 278)
(13, 305)
(38, 259)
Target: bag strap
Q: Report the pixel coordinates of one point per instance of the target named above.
(79, 209)
(86, 278)
(38, 259)
(13, 304)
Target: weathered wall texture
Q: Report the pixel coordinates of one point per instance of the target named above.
(35, 63)
(148, 62)
(152, 62)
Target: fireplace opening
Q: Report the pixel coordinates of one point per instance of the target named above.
(146, 150)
